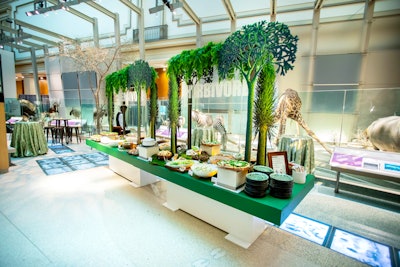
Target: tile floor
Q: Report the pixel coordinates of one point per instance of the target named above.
(94, 217)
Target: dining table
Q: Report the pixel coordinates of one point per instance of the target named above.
(28, 139)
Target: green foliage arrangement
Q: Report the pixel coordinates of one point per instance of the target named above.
(248, 50)
(140, 76)
(115, 82)
(190, 66)
(264, 107)
(195, 63)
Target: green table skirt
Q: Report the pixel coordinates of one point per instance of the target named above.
(28, 139)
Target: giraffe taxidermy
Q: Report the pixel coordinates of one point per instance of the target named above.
(289, 106)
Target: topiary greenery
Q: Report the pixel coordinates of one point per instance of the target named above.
(248, 50)
(190, 66)
(115, 82)
(140, 76)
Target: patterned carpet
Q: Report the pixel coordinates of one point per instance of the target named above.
(60, 148)
(72, 163)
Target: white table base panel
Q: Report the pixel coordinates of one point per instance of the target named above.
(137, 176)
(242, 228)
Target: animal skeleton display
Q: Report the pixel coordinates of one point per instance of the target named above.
(384, 133)
(206, 120)
(28, 108)
(289, 105)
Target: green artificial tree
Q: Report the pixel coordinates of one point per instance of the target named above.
(248, 50)
(173, 109)
(115, 82)
(153, 106)
(193, 65)
(264, 107)
(140, 77)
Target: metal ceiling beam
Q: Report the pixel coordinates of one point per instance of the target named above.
(102, 9)
(41, 30)
(366, 30)
(112, 15)
(140, 13)
(75, 12)
(318, 4)
(231, 13)
(132, 6)
(229, 9)
(190, 12)
(37, 38)
(83, 16)
(273, 10)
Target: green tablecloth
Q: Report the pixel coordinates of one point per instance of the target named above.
(28, 139)
(300, 150)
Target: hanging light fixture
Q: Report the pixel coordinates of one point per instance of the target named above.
(41, 7)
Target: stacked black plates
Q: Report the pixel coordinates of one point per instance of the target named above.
(280, 185)
(263, 169)
(256, 184)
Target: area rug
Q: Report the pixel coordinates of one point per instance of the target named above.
(60, 148)
(72, 163)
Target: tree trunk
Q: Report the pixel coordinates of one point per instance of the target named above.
(110, 111)
(139, 114)
(249, 125)
(174, 137)
(262, 146)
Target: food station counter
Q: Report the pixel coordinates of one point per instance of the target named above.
(241, 216)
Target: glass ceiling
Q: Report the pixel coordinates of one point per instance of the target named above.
(85, 20)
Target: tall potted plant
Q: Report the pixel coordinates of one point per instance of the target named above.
(248, 50)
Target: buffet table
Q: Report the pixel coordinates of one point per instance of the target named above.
(243, 217)
(28, 139)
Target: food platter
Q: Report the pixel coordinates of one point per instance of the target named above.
(204, 170)
(232, 164)
(181, 165)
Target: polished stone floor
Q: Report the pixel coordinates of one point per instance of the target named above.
(94, 217)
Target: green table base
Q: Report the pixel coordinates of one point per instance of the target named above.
(28, 139)
(300, 150)
(271, 209)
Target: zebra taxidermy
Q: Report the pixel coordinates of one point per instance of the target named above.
(75, 113)
(218, 125)
(202, 119)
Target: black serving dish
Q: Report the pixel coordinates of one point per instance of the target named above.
(256, 184)
(280, 185)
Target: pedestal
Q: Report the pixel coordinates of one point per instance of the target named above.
(211, 150)
(242, 228)
(231, 179)
(137, 176)
(146, 152)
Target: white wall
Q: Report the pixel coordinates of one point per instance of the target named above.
(8, 71)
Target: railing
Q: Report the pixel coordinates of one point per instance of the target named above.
(152, 33)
